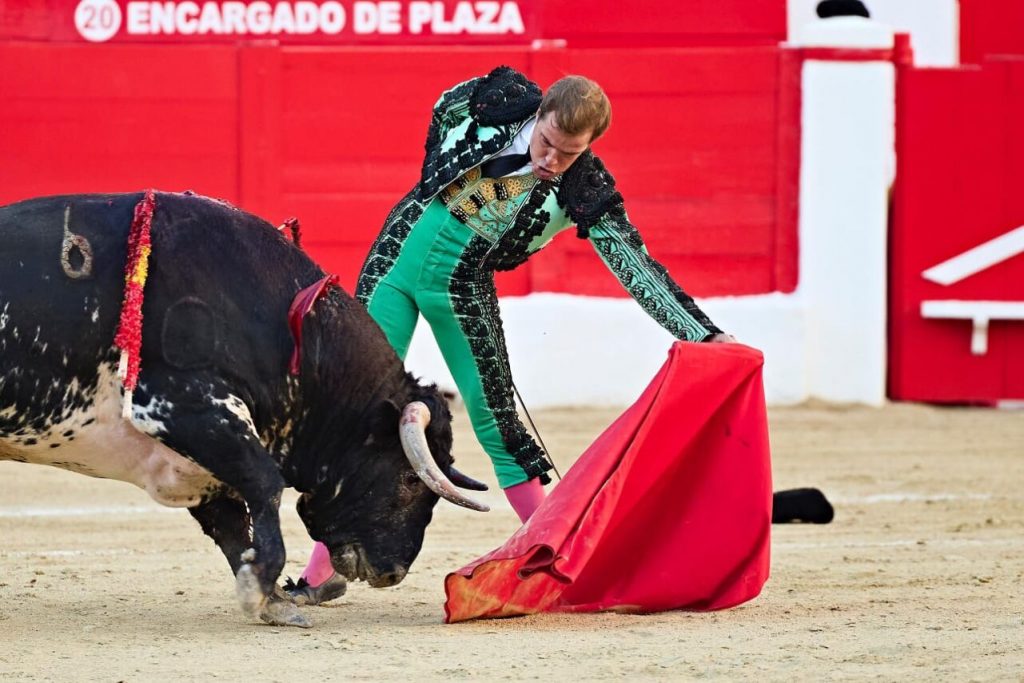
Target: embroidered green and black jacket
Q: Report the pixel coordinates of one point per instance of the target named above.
(477, 119)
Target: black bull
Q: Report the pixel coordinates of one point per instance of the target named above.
(217, 423)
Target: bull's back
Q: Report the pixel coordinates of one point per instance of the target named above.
(220, 285)
(59, 307)
(216, 297)
(58, 311)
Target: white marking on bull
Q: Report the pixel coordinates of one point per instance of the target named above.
(148, 418)
(103, 445)
(236, 406)
(95, 315)
(248, 591)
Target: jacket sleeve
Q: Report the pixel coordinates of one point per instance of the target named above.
(620, 246)
(502, 97)
(451, 108)
(590, 199)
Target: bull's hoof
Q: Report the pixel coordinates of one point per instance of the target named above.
(275, 609)
(302, 593)
(280, 612)
(247, 589)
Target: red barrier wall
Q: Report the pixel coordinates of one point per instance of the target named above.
(333, 134)
(80, 118)
(960, 152)
(990, 27)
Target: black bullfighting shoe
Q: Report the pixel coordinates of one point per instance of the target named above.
(302, 593)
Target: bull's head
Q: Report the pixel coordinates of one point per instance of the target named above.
(373, 520)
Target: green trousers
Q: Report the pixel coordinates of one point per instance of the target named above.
(436, 274)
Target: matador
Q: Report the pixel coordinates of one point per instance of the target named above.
(506, 169)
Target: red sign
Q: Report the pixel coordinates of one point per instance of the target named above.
(300, 21)
(598, 23)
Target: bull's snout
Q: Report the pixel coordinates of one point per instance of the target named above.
(386, 579)
(353, 563)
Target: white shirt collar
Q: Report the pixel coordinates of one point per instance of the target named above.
(520, 145)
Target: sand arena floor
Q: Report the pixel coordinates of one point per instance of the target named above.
(921, 576)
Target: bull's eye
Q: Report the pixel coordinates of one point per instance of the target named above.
(410, 486)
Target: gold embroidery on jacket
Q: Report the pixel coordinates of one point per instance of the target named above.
(487, 205)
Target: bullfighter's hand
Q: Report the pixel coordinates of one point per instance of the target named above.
(722, 338)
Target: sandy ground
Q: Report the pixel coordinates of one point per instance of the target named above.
(921, 576)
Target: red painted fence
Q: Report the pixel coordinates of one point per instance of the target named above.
(334, 134)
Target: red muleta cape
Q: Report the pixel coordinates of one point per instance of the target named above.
(670, 508)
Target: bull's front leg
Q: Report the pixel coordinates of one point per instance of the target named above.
(204, 422)
(225, 519)
(256, 578)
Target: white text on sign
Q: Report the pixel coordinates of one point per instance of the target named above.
(260, 18)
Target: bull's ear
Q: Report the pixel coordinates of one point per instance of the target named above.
(385, 417)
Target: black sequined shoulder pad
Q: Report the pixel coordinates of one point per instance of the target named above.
(588, 192)
(504, 96)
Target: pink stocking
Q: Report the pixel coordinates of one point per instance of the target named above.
(526, 497)
(319, 568)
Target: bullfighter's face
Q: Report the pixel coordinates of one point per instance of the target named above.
(374, 520)
(552, 150)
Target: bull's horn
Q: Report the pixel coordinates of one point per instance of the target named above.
(464, 481)
(412, 430)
